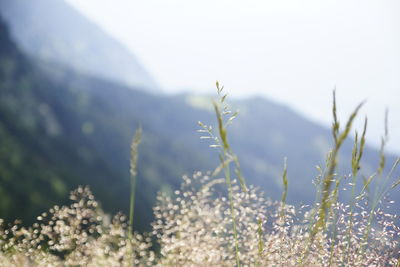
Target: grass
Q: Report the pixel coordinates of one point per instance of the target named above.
(200, 225)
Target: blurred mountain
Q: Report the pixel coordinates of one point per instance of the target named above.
(54, 31)
(60, 128)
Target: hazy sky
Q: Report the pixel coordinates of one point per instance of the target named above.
(292, 51)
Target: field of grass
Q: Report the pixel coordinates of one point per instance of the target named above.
(217, 219)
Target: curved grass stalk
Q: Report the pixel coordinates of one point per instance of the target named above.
(226, 157)
(329, 178)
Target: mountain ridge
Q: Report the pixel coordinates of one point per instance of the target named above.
(54, 31)
(60, 128)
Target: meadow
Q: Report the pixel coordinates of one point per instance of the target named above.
(217, 219)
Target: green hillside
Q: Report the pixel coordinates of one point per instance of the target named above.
(58, 133)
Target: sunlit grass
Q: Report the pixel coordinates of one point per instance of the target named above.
(202, 225)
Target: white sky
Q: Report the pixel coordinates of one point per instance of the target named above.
(290, 51)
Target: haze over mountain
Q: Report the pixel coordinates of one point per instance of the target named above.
(293, 52)
(53, 31)
(60, 128)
